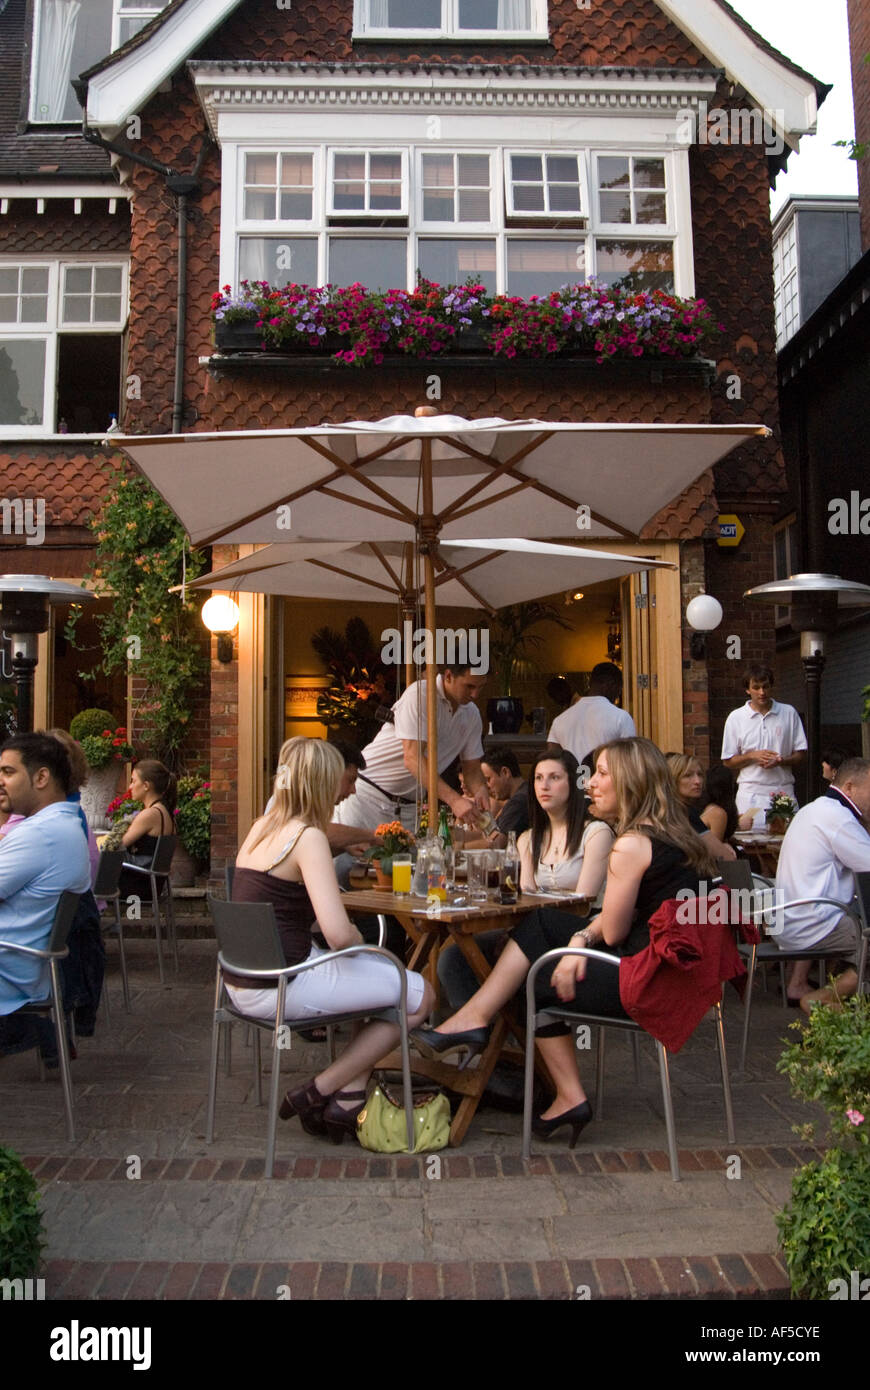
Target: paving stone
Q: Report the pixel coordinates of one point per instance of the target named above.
(553, 1279)
(394, 1281)
(709, 1278)
(332, 1281)
(242, 1281)
(488, 1281)
(612, 1278)
(148, 1281)
(583, 1280)
(520, 1280)
(635, 1161)
(644, 1277)
(180, 1280)
(771, 1276)
(677, 1277)
(210, 1281)
(56, 1273)
(363, 1282)
(457, 1282)
(117, 1279)
(740, 1277)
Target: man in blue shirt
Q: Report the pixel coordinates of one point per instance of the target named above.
(45, 854)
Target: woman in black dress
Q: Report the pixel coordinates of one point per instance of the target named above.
(655, 855)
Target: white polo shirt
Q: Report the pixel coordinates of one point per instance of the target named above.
(592, 721)
(460, 733)
(746, 730)
(823, 849)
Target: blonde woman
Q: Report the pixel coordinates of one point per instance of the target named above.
(286, 860)
(688, 779)
(655, 855)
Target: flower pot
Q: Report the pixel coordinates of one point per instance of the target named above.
(383, 873)
(244, 336)
(777, 825)
(182, 870)
(100, 788)
(505, 714)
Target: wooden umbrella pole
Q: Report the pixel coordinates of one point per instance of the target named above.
(409, 608)
(429, 541)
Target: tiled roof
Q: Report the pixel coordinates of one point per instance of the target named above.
(70, 480)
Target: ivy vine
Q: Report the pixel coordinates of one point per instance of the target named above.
(140, 556)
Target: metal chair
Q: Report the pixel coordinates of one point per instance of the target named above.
(52, 1007)
(249, 944)
(560, 1013)
(106, 886)
(157, 873)
(738, 876)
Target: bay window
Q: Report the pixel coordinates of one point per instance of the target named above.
(520, 221)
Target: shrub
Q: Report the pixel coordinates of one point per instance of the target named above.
(825, 1228)
(91, 723)
(21, 1239)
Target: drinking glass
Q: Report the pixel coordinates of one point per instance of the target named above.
(420, 883)
(477, 861)
(494, 861)
(402, 875)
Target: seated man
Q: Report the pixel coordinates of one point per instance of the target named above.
(46, 854)
(825, 844)
(505, 784)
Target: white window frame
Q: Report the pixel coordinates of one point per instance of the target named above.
(547, 214)
(645, 231)
(582, 229)
(538, 29)
(263, 224)
(789, 528)
(145, 10)
(786, 285)
(53, 328)
(367, 151)
(491, 223)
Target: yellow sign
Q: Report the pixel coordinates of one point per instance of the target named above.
(731, 530)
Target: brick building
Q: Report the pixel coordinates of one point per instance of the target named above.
(529, 142)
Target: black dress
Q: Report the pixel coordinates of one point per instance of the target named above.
(142, 853)
(548, 928)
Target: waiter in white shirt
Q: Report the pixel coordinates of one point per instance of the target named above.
(395, 760)
(763, 742)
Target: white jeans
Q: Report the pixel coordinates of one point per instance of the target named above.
(341, 986)
(758, 794)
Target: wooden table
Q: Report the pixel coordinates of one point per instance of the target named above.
(761, 847)
(459, 927)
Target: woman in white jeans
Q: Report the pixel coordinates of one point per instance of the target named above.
(286, 860)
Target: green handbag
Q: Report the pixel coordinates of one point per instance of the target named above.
(381, 1127)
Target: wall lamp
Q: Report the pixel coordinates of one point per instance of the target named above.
(221, 616)
(703, 614)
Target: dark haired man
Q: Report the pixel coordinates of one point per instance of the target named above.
(595, 719)
(504, 782)
(763, 742)
(396, 758)
(45, 854)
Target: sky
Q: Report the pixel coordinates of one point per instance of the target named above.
(814, 34)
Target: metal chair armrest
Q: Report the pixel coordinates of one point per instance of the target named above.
(33, 951)
(136, 868)
(288, 972)
(762, 912)
(555, 955)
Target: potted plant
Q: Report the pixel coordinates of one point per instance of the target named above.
(104, 747)
(394, 839)
(825, 1227)
(511, 643)
(779, 813)
(193, 827)
(359, 681)
(21, 1239)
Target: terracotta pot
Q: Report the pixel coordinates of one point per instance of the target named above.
(382, 878)
(182, 870)
(777, 825)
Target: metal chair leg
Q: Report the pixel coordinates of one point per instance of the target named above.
(122, 955)
(104, 999)
(747, 1006)
(330, 1040)
(155, 910)
(171, 928)
(275, 1084)
(599, 1077)
(635, 1047)
(213, 1065)
(726, 1080)
(668, 1104)
(258, 1077)
(529, 1082)
(57, 1015)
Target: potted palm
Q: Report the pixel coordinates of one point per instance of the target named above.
(511, 644)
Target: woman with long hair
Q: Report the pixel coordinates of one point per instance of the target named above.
(655, 855)
(719, 801)
(156, 787)
(688, 780)
(286, 861)
(565, 849)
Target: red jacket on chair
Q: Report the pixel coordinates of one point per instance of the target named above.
(668, 987)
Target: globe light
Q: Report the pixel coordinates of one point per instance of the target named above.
(221, 616)
(704, 613)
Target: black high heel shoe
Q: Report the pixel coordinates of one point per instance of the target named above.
(433, 1043)
(337, 1121)
(306, 1102)
(578, 1118)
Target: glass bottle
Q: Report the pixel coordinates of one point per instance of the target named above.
(510, 870)
(435, 869)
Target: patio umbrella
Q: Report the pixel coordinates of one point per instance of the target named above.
(433, 479)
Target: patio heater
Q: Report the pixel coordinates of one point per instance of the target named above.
(25, 606)
(815, 600)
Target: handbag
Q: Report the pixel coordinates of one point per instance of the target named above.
(381, 1126)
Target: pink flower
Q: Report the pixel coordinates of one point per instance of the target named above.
(855, 1117)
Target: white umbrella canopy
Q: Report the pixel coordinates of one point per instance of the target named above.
(487, 574)
(489, 477)
(429, 477)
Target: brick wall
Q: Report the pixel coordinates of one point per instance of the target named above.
(859, 43)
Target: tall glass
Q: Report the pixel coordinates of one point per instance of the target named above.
(420, 881)
(494, 861)
(477, 861)
(402, 875)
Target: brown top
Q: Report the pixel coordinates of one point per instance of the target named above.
(293, 912)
